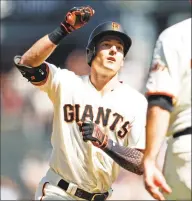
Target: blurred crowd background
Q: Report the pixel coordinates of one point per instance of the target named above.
(26, 112)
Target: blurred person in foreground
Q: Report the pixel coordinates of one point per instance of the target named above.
(99, 122)
(169, 112)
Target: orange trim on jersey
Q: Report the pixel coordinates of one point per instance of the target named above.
(43, 81)
(43, 190)
(159, 93)
(162, 93)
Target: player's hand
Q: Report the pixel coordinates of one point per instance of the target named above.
(77, 17)
(154, 180)
(91, 132)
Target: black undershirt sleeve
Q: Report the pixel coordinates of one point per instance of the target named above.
(162, 101)
(128, 158)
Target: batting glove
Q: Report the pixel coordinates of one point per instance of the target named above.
(91, 132)
(77, 17)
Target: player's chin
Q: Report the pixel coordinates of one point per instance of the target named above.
(111, 66)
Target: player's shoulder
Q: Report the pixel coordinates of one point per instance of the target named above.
(134, 94)
(64, 74)
(61, 71)
(79, 80)
(83, 78)
(175, 30)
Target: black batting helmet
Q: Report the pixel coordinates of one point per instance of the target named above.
(106, 28)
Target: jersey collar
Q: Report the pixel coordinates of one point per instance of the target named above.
(110, 86)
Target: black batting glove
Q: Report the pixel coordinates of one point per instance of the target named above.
(91, 132)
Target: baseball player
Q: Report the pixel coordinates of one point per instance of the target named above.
(99, 123)
(169, 111)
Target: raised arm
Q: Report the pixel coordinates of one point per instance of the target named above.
(44, 47)
(38, 53)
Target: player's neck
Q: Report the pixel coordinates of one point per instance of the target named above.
(98, 80)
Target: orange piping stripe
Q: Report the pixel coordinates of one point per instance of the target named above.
(43, 190)
(160, 93)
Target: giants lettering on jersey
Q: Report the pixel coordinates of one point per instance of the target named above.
(72, 113)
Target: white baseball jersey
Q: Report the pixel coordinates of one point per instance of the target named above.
(171, 72)
(120, 112)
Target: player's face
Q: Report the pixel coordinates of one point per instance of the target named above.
(110, 53)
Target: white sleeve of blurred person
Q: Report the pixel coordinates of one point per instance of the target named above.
(76, 62)
(9, 189)
(164, 78)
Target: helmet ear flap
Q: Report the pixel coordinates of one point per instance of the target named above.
(90, 54)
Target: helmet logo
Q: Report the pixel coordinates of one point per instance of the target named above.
(115, 26)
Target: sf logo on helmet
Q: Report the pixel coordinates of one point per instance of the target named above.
(115, 26)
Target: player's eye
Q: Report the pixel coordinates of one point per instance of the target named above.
(106, 44)
(120, 48)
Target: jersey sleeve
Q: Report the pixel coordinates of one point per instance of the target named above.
(137, 136)
(57, 78)
(163, 76)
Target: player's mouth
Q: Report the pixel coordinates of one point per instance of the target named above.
(111, 59)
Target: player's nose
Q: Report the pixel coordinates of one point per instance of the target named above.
(113, 49)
